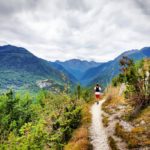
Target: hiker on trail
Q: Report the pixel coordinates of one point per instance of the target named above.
(97, 90)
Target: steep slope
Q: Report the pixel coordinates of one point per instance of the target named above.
(77, 67)
(18, 67)
(146, 51)
(64, 71)
(106, 71)
(92, 73)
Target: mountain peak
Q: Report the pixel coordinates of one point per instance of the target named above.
(77, 67)
(13, 49)
(10, 46)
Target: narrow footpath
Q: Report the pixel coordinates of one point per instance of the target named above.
(97, 131)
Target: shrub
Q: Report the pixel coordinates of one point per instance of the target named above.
(43, 122)
(63, 126)
(14, 112)
(137, 80)
(112, 143)
(105, 121)
(130, 137)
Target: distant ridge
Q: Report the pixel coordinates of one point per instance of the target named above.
(21, 69)
(106, 71)
(77, 67)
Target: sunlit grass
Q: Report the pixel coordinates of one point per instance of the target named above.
(80, 138)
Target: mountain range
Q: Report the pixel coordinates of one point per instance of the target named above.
(105, 72)
(21, 69)
(89, 73)
(77, 67)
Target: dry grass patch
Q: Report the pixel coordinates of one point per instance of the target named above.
(112, 143)
(126, 136)
(146, 63)
(86, 115)
(80, 138)
(144, 115)
(112, 100)
(135, 139)
(105, 120)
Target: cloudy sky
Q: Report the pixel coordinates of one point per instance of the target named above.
(64, 29)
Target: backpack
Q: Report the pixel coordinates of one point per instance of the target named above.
(97, 89)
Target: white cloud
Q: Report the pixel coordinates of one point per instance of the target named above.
(86, 29)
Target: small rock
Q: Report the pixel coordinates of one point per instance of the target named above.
(121, 107)
(116, 117)
(128, 127)
(142, 122)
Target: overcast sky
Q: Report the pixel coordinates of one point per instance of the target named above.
(64, 29)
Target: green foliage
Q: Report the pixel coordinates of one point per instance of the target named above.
(45, 121)
(115, 81)
(87, 95)
(137, 80)
(64, 125)
(82, 93)
(14, 112)
(78, 91)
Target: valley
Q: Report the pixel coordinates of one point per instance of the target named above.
(20, 69)
(51, 105)
(74, 75)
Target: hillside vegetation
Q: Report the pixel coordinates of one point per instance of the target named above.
(58, 117)
(127, 108)
(20, 70)
(43, 121)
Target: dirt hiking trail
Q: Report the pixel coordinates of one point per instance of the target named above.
(97, 131)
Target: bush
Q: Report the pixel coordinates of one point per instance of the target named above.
(45, 121)
(137, 80)
(63, 126)
(112, 143)
(105, 121)
(14, 112)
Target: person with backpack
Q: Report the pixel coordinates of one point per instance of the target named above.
(97, 90)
